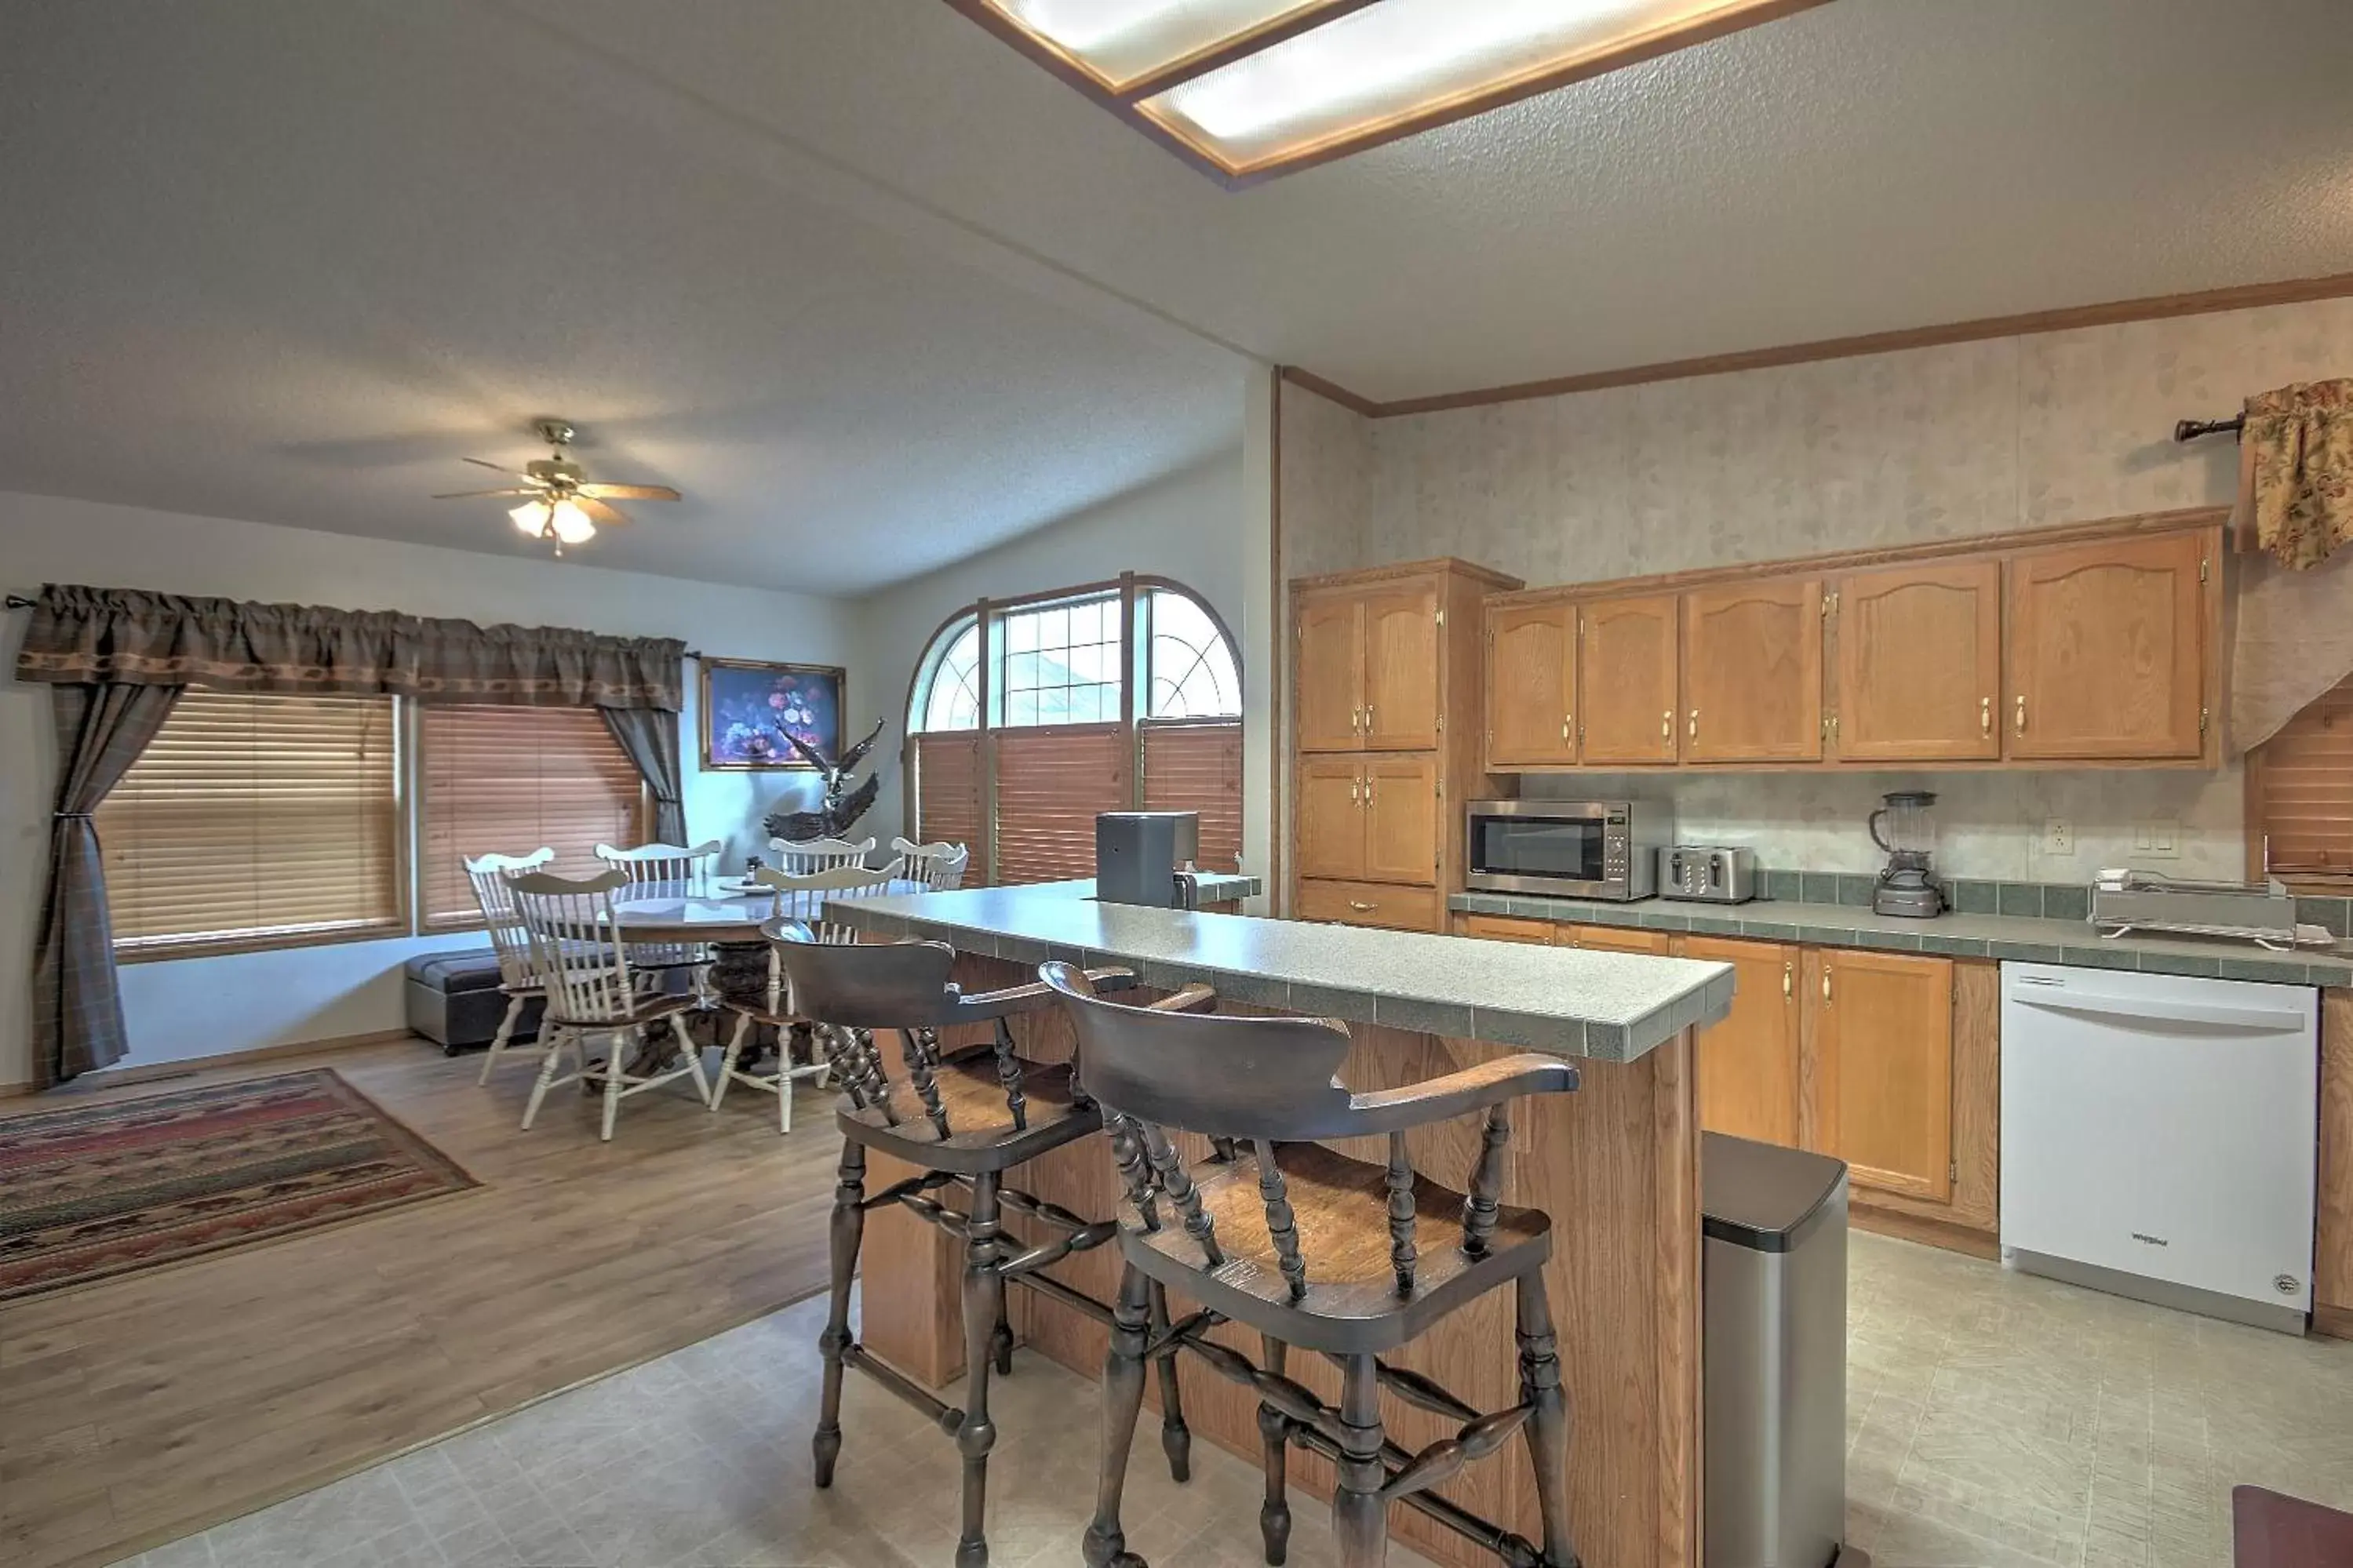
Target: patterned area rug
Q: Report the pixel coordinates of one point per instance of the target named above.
(103, 1190)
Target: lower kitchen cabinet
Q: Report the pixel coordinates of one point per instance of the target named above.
(1878, 1069)
(1506, 928)
(1749, 1062)
(1372, 904)
(1617, 938)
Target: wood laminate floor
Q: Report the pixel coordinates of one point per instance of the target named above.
(138, 1410)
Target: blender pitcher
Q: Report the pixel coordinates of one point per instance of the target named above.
(1907, 885)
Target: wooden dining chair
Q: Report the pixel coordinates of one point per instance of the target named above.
(510, 943)
(801, 899)
(964, 1117)
(1318, 1251)
(939, 867)
(583, 967)
(802, 855)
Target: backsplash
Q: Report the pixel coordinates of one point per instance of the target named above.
(1989, 825)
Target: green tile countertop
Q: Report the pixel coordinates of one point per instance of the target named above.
(1604, 1006)
(2024, 938)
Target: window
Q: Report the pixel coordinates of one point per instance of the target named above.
(2300, 798)
(509, 780)
(1024, 727)
(256, 821)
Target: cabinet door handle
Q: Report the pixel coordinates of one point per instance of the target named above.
(1695, 724)
(1826, 982)
(1361, 907)
(1368, 792)
(1985, 716)
(1667, 725)
(2021, 713)
(1356, 792)
(1368, 718)
(1567, 724)
(1788, 979)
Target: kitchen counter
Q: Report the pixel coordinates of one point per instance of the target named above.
(2028, 939)
(1607, 1006)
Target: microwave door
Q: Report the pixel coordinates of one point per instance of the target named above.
(1539, 852)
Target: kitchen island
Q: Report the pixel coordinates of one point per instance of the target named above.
(1615, 1164)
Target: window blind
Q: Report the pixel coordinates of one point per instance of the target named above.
(508, 780)
(2300, 793)
(949, 801)
(1049, 786)
(1199, 767)
(250, 820)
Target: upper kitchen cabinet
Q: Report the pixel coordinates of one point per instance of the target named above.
(1402, 684)
(2107, 649)
(1918, 663)
(1330, 672)
(1752, 671)
(1627, 680)
(1532, 686)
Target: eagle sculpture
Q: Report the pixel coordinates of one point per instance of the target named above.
(843, 805)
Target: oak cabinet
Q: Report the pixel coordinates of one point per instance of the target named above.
(1918, 663)
(1506, 928)
(1402, 823)
(1627, 680)
(1752, 672)
(1380, 904)
(1532, 686)
(1331, 673)
(1878, 1069)
(1619, 939)
(1401, 668)
(1748, 1061)
(2107, 649)
(1330, 816)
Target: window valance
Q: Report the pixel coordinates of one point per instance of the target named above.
(131, 637)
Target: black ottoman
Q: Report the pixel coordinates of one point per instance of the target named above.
(454, 1000)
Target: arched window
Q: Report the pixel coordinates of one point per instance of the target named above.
(1030, 715)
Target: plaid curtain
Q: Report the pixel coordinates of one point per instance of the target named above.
(2297, 470)
(77, 1007)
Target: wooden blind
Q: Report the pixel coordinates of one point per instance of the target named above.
(1199, 767)
(508, 780)
(2300, 796)
(949, 801)
(1049, 786)
(253, 820)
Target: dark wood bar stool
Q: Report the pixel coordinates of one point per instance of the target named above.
(1318, 1251)
(966, 1118)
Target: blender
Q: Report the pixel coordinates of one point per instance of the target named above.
(1907, 885)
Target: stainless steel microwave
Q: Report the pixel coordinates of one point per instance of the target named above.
(1578, 848)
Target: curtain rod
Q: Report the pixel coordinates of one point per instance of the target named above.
(18, 602)
(2190, 430)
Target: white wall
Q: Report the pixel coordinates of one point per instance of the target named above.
(1204, 527)
(193, 1007)
(1764, 465)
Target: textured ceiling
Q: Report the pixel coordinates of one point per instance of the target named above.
(877, 292)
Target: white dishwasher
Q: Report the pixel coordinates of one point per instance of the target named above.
(2157, 1137)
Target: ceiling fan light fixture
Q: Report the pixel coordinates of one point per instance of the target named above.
(561, 519)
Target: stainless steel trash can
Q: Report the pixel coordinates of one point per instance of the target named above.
(1773, 1296)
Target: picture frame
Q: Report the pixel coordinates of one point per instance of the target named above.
(747, 704)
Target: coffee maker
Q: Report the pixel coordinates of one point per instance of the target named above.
(1907, 883)
(1148, 858)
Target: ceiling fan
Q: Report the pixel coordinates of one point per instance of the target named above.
(562, 508)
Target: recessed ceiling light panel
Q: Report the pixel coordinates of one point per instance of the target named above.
(1246, 88)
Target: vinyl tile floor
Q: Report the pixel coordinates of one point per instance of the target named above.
(1994, 1421)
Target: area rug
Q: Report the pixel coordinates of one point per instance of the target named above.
(103, 1190)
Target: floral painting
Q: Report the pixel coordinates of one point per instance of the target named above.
(748, 708)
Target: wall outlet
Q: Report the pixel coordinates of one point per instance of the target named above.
(2158, 838)
(2058, 836)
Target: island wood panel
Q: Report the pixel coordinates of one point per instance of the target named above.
(2107, 649)
(1749, 1062)
(1627, 673)
(1616, 1163)
(1329, 670)
(1402, 822)
(1752, 672)
(1878, 1067)
(1331, 818)
(1401, 667)
(1918, 663)
(1532, 687)
(2332, 1250)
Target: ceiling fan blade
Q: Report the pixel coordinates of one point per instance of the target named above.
(600, 514)
(629, 493)
(470, 495)
(495, 467)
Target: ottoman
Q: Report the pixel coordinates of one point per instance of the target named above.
(454, 1000)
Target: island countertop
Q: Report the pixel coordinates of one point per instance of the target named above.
(1607, 1006)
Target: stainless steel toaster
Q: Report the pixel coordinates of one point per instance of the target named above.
(1707, 874)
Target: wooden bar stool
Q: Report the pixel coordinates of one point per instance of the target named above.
(966, 1118)
(1316, 1250)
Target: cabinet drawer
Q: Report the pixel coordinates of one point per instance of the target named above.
(1373, 904)
(1619, 939)
(1506, 928)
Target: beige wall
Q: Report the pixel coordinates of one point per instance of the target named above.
(1934, 443)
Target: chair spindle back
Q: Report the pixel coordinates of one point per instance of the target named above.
(802, 855)
(939, 867)
(576, 946)
(488, 874)
(689, 870)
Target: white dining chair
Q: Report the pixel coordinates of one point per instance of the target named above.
(801, 856)
(800, 898)
(510, 943)
(673, 869)
(939, 867)
(583, 966)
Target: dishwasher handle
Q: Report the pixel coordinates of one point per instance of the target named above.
(2151, 1010)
